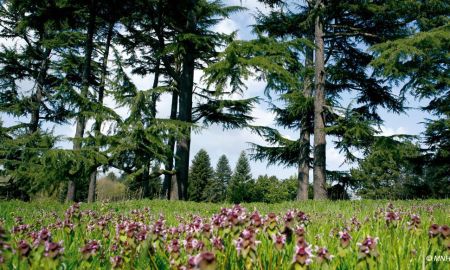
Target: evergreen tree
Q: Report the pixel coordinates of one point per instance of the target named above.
(419, 62)
(216, 190)
(39, 33)
(159, 32)
(37, 30)
(388, 171)
(341, 31)
(140, 137)
(201, 174)
(241, 183)
(319, 167)
(90, 9)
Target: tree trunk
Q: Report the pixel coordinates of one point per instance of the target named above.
(155, 96)
(304, 159)
(170, 181)
(81, 120)
(145, 178)
(37, 97)
(147, 166)
(98, 121)
(185, 115)
(319, 115)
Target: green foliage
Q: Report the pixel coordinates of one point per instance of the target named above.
(201, 175)
(50, 76)
(389, 171)
(216, 189)
(419, 62)
(239, 189)
(354, 132)
(271, 190)
(286, 152)
(401, 244)
(226, 112)
(263, 57)
(33, 164)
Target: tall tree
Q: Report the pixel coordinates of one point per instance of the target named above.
(38, 30)
(85, 84)
(241, 181)
(419, 63)
(305, 132)
(140, 137)
(319, 167)
(110, 13)
(185, 92)
(100, 97)
(216, 190)
(198, 44)
(342, 32)
(182, 39)
(201, 174)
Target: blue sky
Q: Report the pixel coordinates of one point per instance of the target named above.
(231, 142)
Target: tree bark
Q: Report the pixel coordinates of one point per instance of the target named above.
(319, 115)
(185, 115)
(170, 181)
(155, 96)
(304, 159)
(145, 178)
(37, 97)
(98, 121)
(146, 192)
(81, 120)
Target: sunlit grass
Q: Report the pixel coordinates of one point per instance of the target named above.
(142, 235)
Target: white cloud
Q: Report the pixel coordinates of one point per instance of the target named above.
(335, 159)
(389, 131)
(226, 26)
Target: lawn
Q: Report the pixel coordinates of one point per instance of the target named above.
(183, 235)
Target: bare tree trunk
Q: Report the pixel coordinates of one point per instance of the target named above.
(81, 120)
(174, 193)
(185, 115)
(304, 159)
(320, 192)
(155, 96)
(98, 122)
(147, 166)
(170, 181)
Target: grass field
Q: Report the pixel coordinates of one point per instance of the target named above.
(182, 235)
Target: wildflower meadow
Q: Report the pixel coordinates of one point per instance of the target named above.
(181, 235)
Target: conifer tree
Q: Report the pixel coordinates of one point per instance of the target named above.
(160, 31)
(200, 46)
(388, 170)
(419, 62)
(31, 86)
(241, 182)
(91, 27)
(341, 30)
(37, 31)
(96, 25)
(201, 175)
(216, 190)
